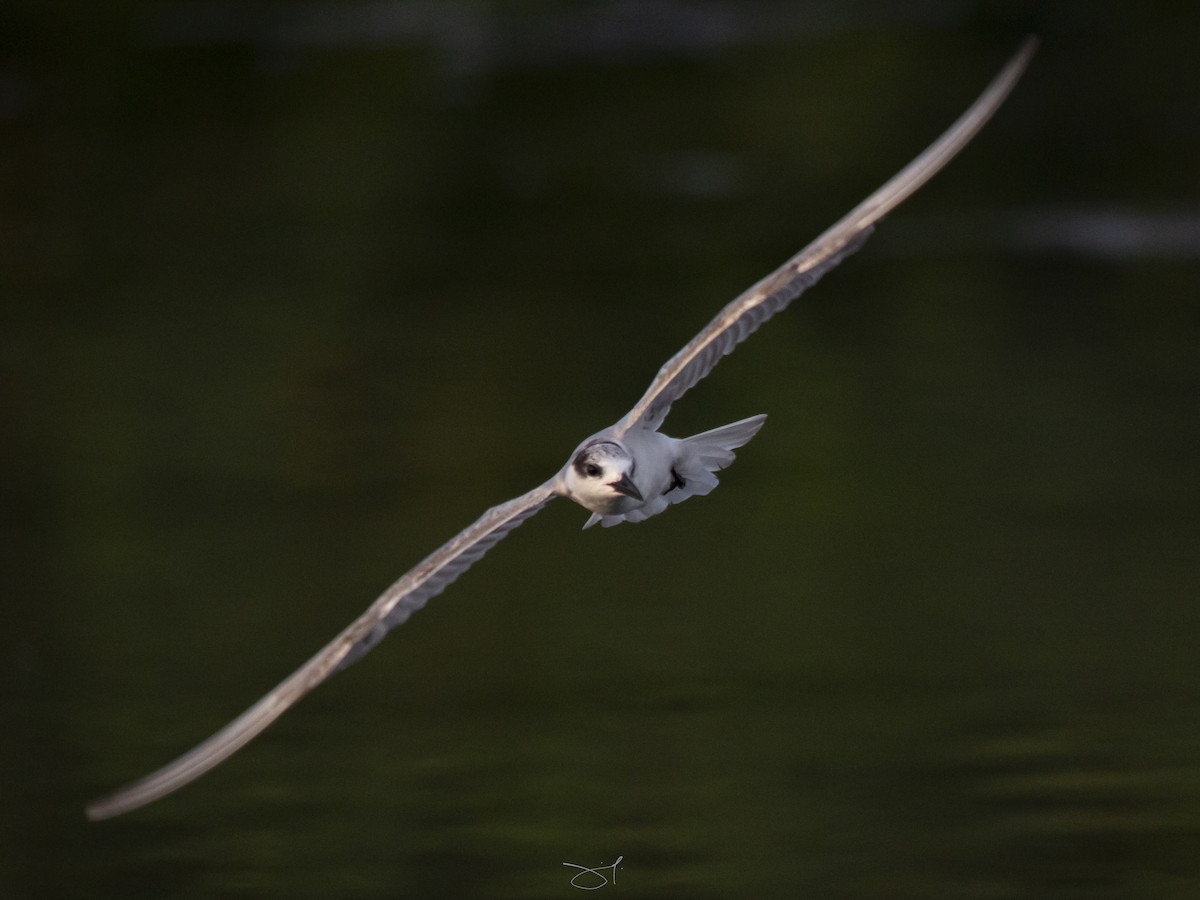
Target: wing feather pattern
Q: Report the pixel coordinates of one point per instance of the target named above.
(426, 580)
(431, 576)
(738, 320)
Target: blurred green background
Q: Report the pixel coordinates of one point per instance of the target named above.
(292, 291)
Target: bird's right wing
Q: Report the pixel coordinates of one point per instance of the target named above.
(738, 320)
(427, 579)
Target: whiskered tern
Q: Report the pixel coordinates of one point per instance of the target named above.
(625, 473)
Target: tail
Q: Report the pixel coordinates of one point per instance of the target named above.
(714, 449)
(707, 453)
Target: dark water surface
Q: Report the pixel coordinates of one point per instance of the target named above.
(293, 291)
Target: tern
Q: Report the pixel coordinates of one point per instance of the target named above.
(625, 473)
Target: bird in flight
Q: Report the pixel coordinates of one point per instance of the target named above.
(625, 473)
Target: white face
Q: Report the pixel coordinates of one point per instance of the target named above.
(599, 479)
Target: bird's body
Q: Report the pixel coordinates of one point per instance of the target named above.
(632, 476)
(625, 473)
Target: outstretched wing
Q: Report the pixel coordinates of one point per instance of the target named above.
(428, 579)
(738, 320)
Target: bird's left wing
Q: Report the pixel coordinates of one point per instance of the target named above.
(427, 579)
(738, 320)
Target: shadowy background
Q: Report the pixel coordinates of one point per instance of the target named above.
(292, 291)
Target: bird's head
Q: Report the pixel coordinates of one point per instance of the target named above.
(599, 477)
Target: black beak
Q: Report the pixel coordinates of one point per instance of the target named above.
(626, 487)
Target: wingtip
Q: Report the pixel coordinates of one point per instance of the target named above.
(110, 806)
(1020, 60)
(96, 812)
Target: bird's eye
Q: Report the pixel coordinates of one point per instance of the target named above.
(591, 470)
